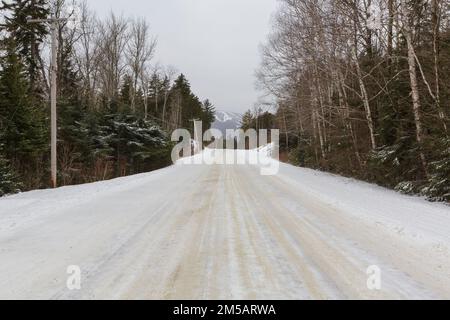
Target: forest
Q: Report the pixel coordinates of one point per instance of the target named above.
(116, 107)
(362, 89)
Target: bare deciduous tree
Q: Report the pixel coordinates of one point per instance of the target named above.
(139, 51)
(87, 53)
(112, 42)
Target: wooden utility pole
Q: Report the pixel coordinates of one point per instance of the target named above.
(54, 23)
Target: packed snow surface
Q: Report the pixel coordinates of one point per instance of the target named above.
(224, 232)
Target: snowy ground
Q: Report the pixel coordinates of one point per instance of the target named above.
(224, 232)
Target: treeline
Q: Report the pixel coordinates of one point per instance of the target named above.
(363, 89)
(116, 107)
(258, 119)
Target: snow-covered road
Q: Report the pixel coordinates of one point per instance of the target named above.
(223, 232)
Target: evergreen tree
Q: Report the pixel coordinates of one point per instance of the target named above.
(125, 95)
(22, 122)
(247, 120)
(28, 36)
(75, 145)
(135, 145)
(189, 105)
(438, 186)
(208, 112)
(8, 179)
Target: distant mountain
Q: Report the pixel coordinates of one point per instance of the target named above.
(227, 120)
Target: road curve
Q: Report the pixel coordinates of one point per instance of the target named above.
(210, 232)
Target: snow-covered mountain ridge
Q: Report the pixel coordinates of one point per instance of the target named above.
(227, 120)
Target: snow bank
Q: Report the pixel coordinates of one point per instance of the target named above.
(23, 208)
(407, 216)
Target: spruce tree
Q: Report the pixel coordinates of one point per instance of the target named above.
(28, 36)
(208, 112)
(125, 95)
(247, 120)
(8, 180)
(191, 106)
(22, 122)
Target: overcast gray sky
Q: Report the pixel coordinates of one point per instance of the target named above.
(214, 42)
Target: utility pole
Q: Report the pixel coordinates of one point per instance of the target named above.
(54, 23)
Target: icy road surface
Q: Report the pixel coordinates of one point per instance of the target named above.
(223, 232)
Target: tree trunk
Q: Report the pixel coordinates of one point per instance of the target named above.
(365, 100)
(316, 120)
(415, 99)
(390, 40)
(343, 101)
(156, 100)
(435, 21)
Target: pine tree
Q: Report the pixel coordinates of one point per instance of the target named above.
(247, 120)
(190, 106)
(22, 122)
(125, 95)
(438, 186)
(28, 37)
(182, 92)
(8, 180)
(75, 151)
(208, 112)
(135, 145)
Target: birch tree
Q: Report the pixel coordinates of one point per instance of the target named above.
(112, 42)
(139, 51)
